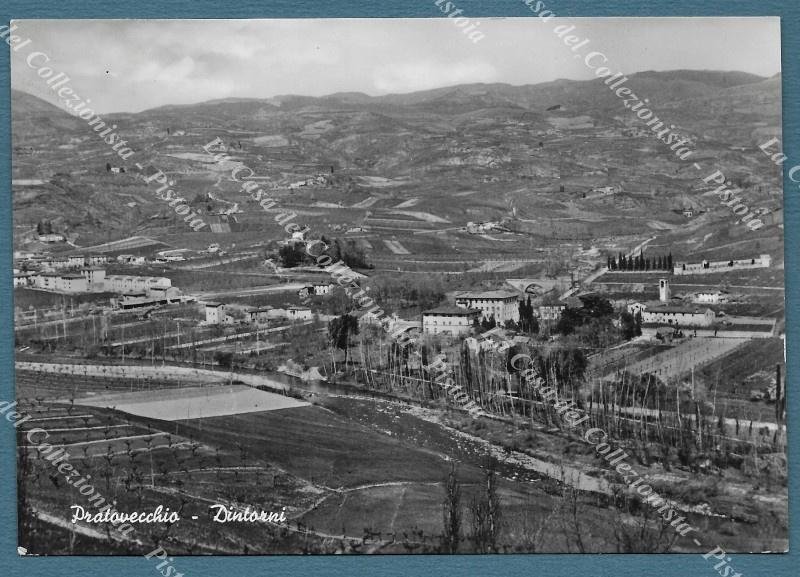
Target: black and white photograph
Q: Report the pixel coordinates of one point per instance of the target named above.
(446, 285)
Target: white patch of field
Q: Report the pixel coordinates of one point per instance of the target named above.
(194, 402)
(27, 182)
(396, 247)
(658, 225)
(366, 203)
(408, 203)
(319, 127)
(195, 156)
(378, 181)
(489, 237)
(487, 266)
(207, 159)
(426, 216)
(509, 267)
(123, 244)
(271, 140)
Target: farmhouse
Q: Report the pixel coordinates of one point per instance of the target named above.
(134, 299)
(96, 259)
(714, 297)
(259, 315)
(678, 316)
(22, 279)
(502, 305)
(131, 259)
(52, 237)
(215, 313)
(550, 312)
(455, 321)
(298, 313)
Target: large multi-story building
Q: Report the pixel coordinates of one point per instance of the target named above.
(453, 321)
(502, 305)
(65, 283)
(125, 283)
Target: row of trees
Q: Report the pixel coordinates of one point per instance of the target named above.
(485, 516)
(639, 262)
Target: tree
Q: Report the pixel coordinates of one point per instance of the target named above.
(291, 255)
(527, 321)
(340, 329)
(569, 320)
(44, 227)
(486, 515)
(451, 536)
(669, 261)
(629, 326)
(596, 306)
(108, 167)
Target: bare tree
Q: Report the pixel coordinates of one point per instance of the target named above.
(451, 507)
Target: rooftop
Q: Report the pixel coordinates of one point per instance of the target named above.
(498, 294)
(452, 311)
(678, 309)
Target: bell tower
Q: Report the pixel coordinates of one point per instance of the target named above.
(663, 290)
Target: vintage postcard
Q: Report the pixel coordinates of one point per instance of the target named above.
(389, 286)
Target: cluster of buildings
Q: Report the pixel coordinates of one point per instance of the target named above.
(475, 307)
(664, 313)
(135, 291)
(55, 263)
(484, 227)
(90, 280)
(666, 316)
(217, 314)
(471, 308)
(316, 289)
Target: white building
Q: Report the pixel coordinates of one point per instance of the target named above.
(96, 260)
(65, 283)
(52, 237)
(454, 321)
(663, 290)
(679, 316)
(502, 305)
(21, 279)
(131, 259)
(551, 312)
(215, 313)
(95, 277)
(126, 283)
(299, 313)
(714, 297)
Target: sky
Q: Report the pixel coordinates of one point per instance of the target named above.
(134, 65)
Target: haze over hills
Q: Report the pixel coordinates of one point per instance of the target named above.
(517, 144)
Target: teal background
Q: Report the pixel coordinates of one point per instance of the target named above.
(390, 566)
